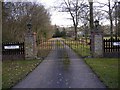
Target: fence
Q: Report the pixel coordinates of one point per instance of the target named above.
(111, 47)
(13, 50)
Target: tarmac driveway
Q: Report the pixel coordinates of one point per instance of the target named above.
(52, 73)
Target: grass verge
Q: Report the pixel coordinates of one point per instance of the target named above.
(80, 48)
(14, 71)
(58, 43)
(106, 69)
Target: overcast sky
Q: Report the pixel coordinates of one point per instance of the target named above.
(59, 18)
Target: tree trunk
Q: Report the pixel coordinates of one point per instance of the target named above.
(75, 27)
(91, 17)
(111, 26)
(110, 16)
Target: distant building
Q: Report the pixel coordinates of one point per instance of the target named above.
(80, 33)
(70, 33)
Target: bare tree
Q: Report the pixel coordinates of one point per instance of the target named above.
(79, 12)
(117, 18)
(110, 11)
(74, 8)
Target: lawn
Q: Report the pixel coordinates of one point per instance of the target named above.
(14, 71)
(106, 69)
(58, 43)
(80, 48)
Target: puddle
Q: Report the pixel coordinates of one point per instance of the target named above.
(66, 61)
(62, 55)
(66, 65)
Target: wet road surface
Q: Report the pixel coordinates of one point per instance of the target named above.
(53, 73)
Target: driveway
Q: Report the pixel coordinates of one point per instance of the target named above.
(52, 73)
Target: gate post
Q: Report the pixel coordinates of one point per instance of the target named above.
(97, 41)
(30, 45)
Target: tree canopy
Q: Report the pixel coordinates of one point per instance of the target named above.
(16, 15)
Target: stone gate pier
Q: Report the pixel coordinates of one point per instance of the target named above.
(30, 45)
(97, 42)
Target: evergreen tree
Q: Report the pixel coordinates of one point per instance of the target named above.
(63, 33)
